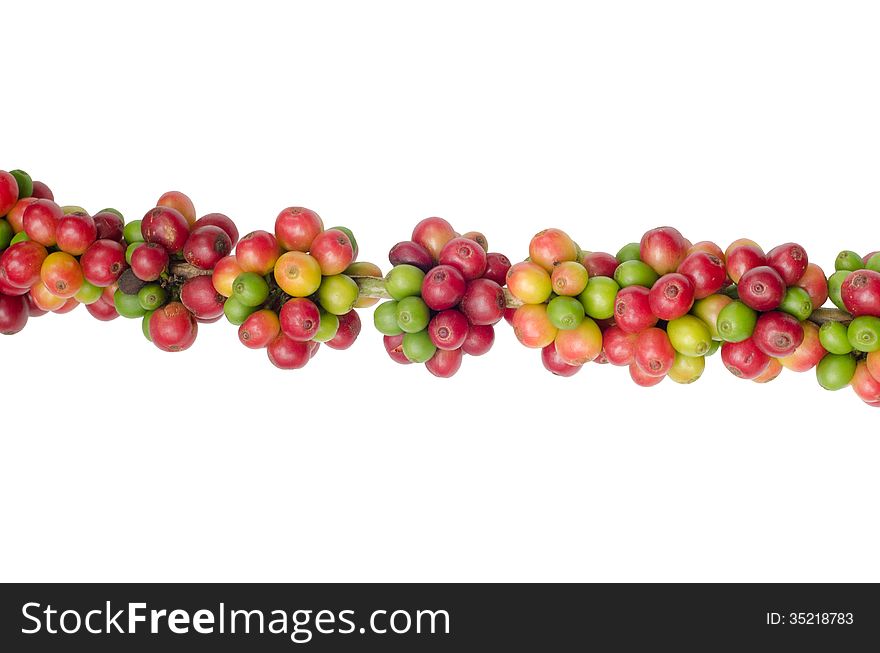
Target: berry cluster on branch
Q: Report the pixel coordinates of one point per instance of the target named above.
(659, 307)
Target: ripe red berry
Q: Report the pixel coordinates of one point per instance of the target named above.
(778, 334)
(865, 385)
(13, 313)
(200, 297)
(165, 226)
(550, 247)
(743, 258)
(149, 261)
(632, 309)
(643, 379)
(497, 266)
(411, 253)
(448, 329)
(466, 256)
(259, 329)
(653, 352)
(705, 271)
(296, 227)
(761, 288)
(815, 283)
(333, 251)
(102, 310)
(180, 202)
(103, 262)
(287, 354)
(433, 234)
(619, 346)
(663, 249)
(40, 221)
(443, 287)
(109, 226)
(206, 245)
(20, 264)
(444, 363)
(42, 192)
(671, 296)
(554, 363)
(173, 328)
(744, 359)
(75, 233)
(394, 347)
(600, 264)
(479, 341)
(8, 192)
(861, 293)
(219, 220)
(300, 319)
(257, 252)
(483, 302)
(789, 260)
(348, 331)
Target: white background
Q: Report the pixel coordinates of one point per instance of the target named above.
(757, 119)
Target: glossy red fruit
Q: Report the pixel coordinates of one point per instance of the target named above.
(259, 329)
(743, 258)
(443, 287)
(411, 253)
(68, 306)
(180, 202)
(75, 233)
(861, 293)
(815, 283)
(778, 334)
(708, 247)
(257, 252)
(865, 385)
(663, 249)
(32, 308)
(109, 226)
(394, 347)
(483, 302)
(296, 227)
(167, 227)
(705, 271)
(61, 274)
(40, 221)
(102, 310)
(8, 289)
(550, 247)
(671, 296)
(348, 331)
(333, 251)
(44, 299)
(632, 309)
(20, 264)
(173, 328)
(808, 354)
(761, 288)
(13, 314)
(300, 319)
(600, 264)
(41, 192)
(149, 261)
(497, 266)
(744, 359)
(444, 363)
(201, 299)
(532, 326)
(103, 262)
(15, 217)
(619, 346)
(205, 246)
(789, 260)
(287, 354)
(466, 256)
(479, 341)
(638, 375)
(653, 352)
(448, 329)
(8, 192)
(554, 363)
(218, 220)
(774, 369)
(433, 234)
